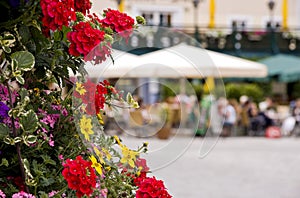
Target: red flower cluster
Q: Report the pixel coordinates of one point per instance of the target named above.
(150, 187)
(103, 88)
(88, 97)
(118, 22)
(80, 176)
(83, 6)
(100, 97)
(84, 38)
(99, 53)
(95, 95)
(57, 13)
(18, 181)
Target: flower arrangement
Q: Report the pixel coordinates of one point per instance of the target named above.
(52, 142)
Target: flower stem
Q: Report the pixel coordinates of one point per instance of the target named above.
(15, 134)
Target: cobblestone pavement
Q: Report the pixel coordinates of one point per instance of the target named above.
(240, 167)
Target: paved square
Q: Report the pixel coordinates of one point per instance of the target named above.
(241, 167)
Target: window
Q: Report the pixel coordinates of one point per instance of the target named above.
(239, 25)
(165, 19)
(149, 18)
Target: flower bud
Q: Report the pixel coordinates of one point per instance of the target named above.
(145, 144)
(108, 38)
(108, 30)
(79, 16)
(140, 20)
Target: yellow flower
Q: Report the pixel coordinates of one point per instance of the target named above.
(118, 140)
(100, 119)
(129, 156)
(107, 168)
(107, 154)
(139, 170)
(96, 165)
(86, 127)
(80, 89)
(37, 91)
(99, 154)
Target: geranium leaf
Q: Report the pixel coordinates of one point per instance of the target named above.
(24, 33)
(6, 49)
(23, 93)
(29, 121)
(48, 160)
(20, 80)
(31, 139)
(43, 194)
(25, 60)
(4, 162)
(47, 181)
(4, 130)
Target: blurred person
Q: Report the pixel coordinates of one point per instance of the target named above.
(243, 99)
(259, 121)
(296, 115)
(192, 110)
(244, 117)
(268, 108)
(144, 110)
(184, 101)
(230, 119)
(234, 103)
(204, 116)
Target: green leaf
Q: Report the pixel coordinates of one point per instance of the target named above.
(10, 37)
(4, 162)
(4, 131)
(14, 65)
(6, 49)
(58, 35)
(17, 140)
(48, 160)
(43, 194)
(31, 139)
(46, 181)
(20, 80)
(24, 33)
(29, 121)
(23, 93)
(25, 60)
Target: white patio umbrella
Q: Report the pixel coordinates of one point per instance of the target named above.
(175, 62)
(122, 62)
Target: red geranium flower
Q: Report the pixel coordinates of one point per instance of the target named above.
(86, 40)
(83, 6)
(100, 97)
(151, 187)
(80, 176)
(118, 22)
(56, 14)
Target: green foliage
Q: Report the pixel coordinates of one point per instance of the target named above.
(296, 90)
(42, 132)
(167, 91)
(233, 91)
(33, 61)
(253, 91)
(198, 90)
(29, 117)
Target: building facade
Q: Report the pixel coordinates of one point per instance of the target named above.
(246, 28)
(178, 13)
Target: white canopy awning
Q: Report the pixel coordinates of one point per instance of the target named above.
(176, 62)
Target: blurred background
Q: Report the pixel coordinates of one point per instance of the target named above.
(256, 114)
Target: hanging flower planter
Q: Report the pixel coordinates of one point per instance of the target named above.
(53, 144)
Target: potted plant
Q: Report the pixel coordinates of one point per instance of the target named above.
(52, 144)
